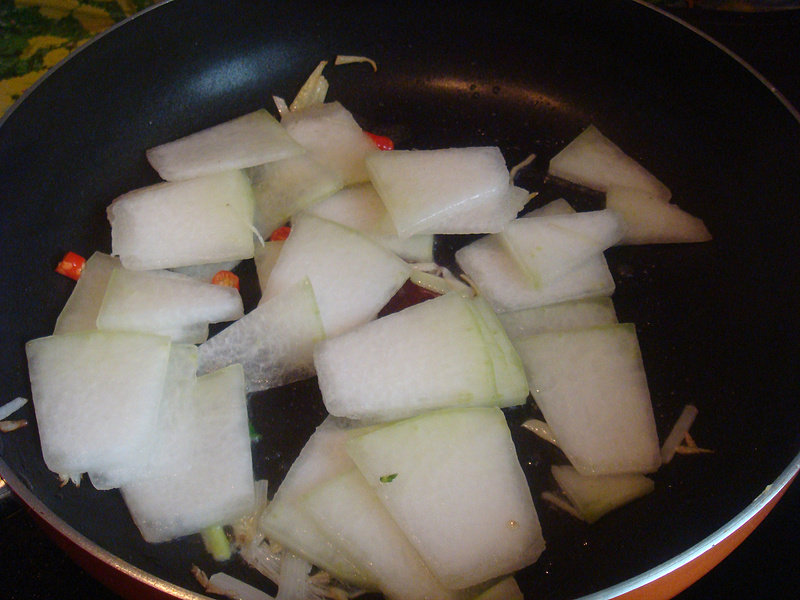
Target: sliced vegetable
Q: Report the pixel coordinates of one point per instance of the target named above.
(199, 221)
(594, 161)
(678, 432)
(252, 139)
(591, 387)
(12, 406)
(352, 276)
(273, 343)
(460, 496)
(595, 495)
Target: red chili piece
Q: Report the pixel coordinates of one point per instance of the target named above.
(226, 278)
(71, 265)
(280, 234)
(381, 141)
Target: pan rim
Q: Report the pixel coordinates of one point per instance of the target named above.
(768, 495)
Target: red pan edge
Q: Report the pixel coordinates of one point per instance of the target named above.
(662, 582)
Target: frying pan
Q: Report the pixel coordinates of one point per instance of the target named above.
(716, 321)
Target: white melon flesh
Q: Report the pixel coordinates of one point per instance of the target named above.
(576, 314)
(274, 342)
(427, 356)
(265, 258)
(204, 475)
(249, 140)
(502, 282)
(546, 248)
(351, 515)
(360, 208)
(591, 387)
(166, 303)
(556, 207)
(594, 161)
(595, 495)
(352, 276)
(331, 135)
(204, 220)
(321, 459)
(424, 189)
(80, 311)
(206, 272)
(490, 216)
(178, 387)
(505, 589)
(651, 221)
(97, 396)
(452, 482)
(284, 188)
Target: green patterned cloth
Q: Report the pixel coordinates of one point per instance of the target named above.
(37, 34)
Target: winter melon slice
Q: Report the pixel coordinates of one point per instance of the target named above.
(360, 207)
(452, 482)
(595, 495)
(423, 189)
(274, 342)
(199, 221)
(286, 187)
(351, 515)
(166, 303)
(575, 314)
(651, 221)
(352, 276)
(594, 161)
(333, 138)
(548, 247)
(97, 396)
(322, 458)
(591, 387)
(204, 475)
(502, 282)
(427, 356)
(80, 311)
(249, 140)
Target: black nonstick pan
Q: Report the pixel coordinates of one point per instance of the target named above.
(717, 321)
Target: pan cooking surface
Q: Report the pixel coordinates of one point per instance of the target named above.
(715, 321)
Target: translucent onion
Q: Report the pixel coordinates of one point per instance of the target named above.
(679, 430)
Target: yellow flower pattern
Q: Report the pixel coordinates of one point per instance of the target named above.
(35, 35)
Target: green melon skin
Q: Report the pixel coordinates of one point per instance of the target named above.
(97, 396)
(252, 139)
(452, 482)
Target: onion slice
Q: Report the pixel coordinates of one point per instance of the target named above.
(679, 430)
(11, 407)
(343, 59)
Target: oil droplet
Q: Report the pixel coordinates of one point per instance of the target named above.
(512, 524)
